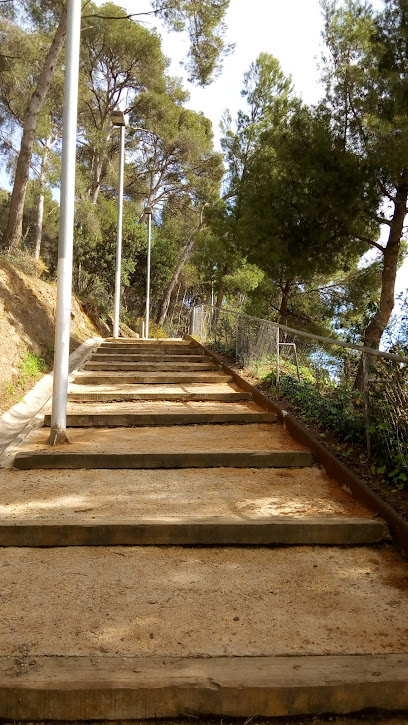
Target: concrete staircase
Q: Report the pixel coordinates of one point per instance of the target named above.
(184, 555)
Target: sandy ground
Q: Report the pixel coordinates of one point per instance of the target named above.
(180, 388)
(363, 719)
(203, 602)
(253, 437)
(233, 493)
(162, 406)
(210, 376)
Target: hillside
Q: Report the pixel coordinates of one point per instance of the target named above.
(27, 311)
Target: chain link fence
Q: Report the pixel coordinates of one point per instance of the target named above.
(357, 394)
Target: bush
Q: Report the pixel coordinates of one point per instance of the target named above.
(26, 263)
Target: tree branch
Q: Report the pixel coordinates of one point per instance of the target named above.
(126, 17)
(370, 241)
(381, 220)
(385, 190)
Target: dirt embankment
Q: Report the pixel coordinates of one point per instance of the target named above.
(27, 314)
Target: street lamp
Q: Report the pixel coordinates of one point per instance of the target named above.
(148, 211)
(66, 227)
(118, 119)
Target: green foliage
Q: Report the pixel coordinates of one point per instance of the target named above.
(339, 409)
(173, 158)
(366, 74)
(294, 195)
(25, 261)
(32, 367)
(95, 241)
(221, 348)
(205, 27)
(336, 410)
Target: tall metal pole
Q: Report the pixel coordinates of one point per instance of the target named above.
(66, 228)
(149, 245)
(119, 235)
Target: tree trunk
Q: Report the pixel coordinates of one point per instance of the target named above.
(283, 310)
(40, 208)
(15, 217)
(170, 287)
(220, 294)
(96, 176)
(173, 303)
(374, 330)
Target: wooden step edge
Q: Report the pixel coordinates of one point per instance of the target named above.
(163, 352)
(273, 531)
(150, 378)
(149, 367)
(116, 420)
(117, 396)
(146, 346)
(146, 357)
(130, 688)
(204, 459)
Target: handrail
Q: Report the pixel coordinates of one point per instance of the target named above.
(328, 340)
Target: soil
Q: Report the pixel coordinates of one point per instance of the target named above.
(360, 719)
(157, 601)
(27, 313)
(397, 499)
(243, 437)
(87, 495)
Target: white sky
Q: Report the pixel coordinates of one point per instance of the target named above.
(290, 30)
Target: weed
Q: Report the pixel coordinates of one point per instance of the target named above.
(32, 367)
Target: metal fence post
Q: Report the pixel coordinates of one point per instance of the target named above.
(116, 312)
(277, 356)
(236, 336)
(192, 321)
(141, 329)
(66, 227)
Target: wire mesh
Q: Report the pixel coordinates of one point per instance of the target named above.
(359, 398)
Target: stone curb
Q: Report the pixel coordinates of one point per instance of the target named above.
(18, 421)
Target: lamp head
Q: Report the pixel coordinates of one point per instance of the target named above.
(117, 118)
(148, 210)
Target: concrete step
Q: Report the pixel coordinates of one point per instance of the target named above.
(188, 392)
(277, 531)
(150, 344)
(116, 420)
(164, 407)
(129, 688)
(159, 378)
(148, 350)
(177, 341)
(204, 459)
(171, 366)
(191, 439)
(89, 496)
(148, 357)
(310, 629)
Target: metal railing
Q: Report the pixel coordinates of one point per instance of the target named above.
(356, 394)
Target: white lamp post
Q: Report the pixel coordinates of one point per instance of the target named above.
(148, 211)
(66, 227)
(118, 119)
